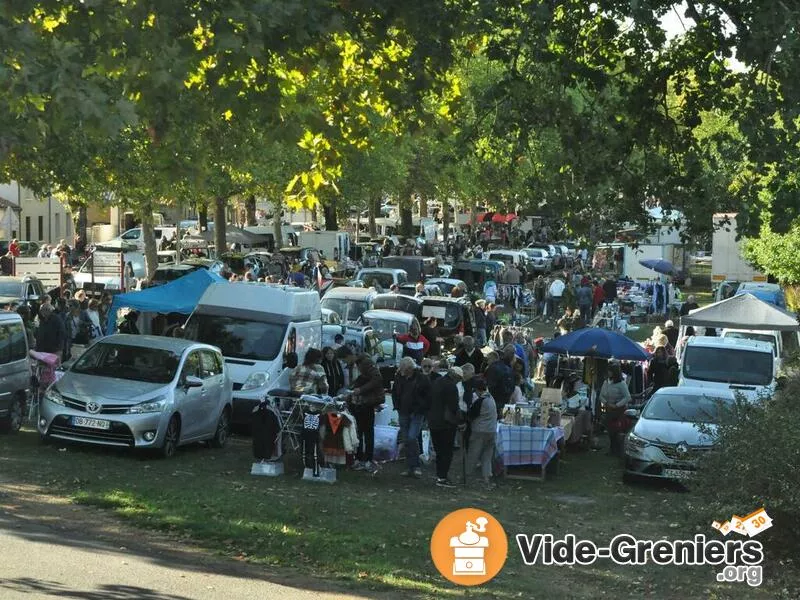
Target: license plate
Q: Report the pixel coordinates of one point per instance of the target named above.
(677, 473)
(91, 423)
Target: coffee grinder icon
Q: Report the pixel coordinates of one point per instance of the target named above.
(469, 549)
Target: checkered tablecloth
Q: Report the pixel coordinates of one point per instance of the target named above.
(521, 445)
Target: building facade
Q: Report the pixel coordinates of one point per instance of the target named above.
(26, 217)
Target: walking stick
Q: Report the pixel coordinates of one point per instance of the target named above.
(464, 455)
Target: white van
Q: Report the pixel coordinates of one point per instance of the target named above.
(134, 236)
(741, 365)
(784, 343)
(256, 325)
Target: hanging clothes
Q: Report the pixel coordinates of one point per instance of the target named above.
(311, 441)
(266, 426)
(339, 437)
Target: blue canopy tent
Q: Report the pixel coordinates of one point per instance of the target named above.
(179, 296)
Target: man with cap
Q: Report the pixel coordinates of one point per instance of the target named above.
(443, 421)
(480, 323)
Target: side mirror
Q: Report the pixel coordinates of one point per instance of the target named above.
(192, 382)
(632, 413)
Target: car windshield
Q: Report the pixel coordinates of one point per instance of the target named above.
(384, 328)
(378, 280)
(680, 407)
(238, 338)
(445, 287)
(452, 314)
(348, 310)
(751, 335)
(120, 361)
(726, 365)
(10, 288)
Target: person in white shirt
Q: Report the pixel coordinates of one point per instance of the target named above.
(556, 291)
(44, 252)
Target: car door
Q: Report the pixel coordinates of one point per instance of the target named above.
(191, 401)
(214, 381)
(14, 370)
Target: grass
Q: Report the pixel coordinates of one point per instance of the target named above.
(372, 533)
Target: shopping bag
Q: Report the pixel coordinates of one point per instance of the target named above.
(386, 443)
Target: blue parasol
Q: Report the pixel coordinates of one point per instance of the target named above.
(658, 265)
(598, 343)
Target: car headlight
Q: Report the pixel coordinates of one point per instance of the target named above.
(255, 380)
(634, 443)
(54, 396)
(154, 405)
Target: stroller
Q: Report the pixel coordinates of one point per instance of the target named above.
(44, 368)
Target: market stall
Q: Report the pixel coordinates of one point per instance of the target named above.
(179, 296)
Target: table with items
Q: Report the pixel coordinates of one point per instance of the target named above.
(525, 439)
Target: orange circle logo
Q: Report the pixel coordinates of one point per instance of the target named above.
(469, 546)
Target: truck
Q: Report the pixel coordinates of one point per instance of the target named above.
(335, 245)
(729, 268)
(623, 259)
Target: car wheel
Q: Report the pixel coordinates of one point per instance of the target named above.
(13, 421)
(223, 429)
(171, 438)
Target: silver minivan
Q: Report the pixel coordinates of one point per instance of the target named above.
(15, 371)
(141, 391)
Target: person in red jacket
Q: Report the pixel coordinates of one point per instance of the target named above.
(13, 247)
(599, 297)
(415, 345)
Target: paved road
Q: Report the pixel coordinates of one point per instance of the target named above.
(48, 560)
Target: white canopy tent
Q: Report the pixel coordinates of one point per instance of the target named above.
(742, 312)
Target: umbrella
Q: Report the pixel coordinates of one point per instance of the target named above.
(510, 217)
(598, 343)
(498, 218)
(658, 265)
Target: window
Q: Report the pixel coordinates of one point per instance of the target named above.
(192, 365)
(725, 365)
(58, 225)
(238, 338)
(121, 361)
(13, 343)
(27, 228)
(692, 409)
(132, 234)
(41, 228)
(211, 365)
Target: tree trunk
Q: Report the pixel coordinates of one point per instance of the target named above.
(329, 210)
(250, 210)
(423, 206)
(277, 231)
(202, 217)
(149, 238)
(82, 224)
(220, 204)
(406, 219)
(446, 219)
(374, 210)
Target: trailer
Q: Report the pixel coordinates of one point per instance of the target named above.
(727, 260)
(623, 260)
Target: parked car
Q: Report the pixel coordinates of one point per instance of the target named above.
(410, 289)
(15, 372)
(401, 302)
(166, 273)
(348, 302)
(143, 392)
(24, 290)
(382, 279)
(446, 284)
(455, 316)
(768, 292)
(554, 252)
(539, 260)
(675, 428)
